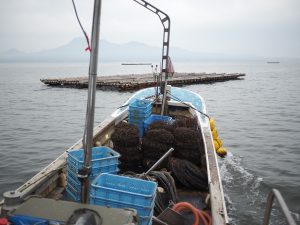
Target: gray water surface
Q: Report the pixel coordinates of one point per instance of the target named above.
(257, 118)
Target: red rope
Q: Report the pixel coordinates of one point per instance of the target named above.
(88, 48)
(198, 214)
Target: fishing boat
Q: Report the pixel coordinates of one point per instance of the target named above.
(152, 161)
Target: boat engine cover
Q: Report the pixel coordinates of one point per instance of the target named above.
(50, 211)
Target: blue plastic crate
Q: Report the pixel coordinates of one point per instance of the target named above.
(74, 186)
(74, 194)
(141, 210)
(138, 117)
(124, 189)
(140, 105)
(73, 181)
(139, 125)
(140, 112)
(95, 171)
(145, 220)
(24, 219)
(101, 156)
(153, 118)
(141, 133)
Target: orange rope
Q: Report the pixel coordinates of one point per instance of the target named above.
(208, 217)
(198, 214)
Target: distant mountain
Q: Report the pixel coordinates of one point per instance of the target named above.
(12, 55)
(13, 52)
(110, 52)
(74, 52)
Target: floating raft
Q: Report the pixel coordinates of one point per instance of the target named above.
(134, 82)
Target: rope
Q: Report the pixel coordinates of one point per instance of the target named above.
(85, 34)
(86, 49)
(164, 180)
(198, 214)
(167, 182)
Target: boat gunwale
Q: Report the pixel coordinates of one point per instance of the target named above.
(30, 186)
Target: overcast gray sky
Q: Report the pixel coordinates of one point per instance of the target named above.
(255, 27)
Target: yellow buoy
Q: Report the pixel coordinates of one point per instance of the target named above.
(222, 152)
(219, 142)
(212, 123)
(215, 134)
(217, 146)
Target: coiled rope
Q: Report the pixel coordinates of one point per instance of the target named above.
(165, 181)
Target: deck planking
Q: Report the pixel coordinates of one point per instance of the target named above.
(139, 81)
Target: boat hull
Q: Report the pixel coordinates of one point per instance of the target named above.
(51, 180)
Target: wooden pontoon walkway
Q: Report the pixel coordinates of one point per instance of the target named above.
(134, 82)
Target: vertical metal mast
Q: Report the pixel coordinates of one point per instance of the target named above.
(88, 134)
(166, 22)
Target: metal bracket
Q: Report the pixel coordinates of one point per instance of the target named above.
(166, 22)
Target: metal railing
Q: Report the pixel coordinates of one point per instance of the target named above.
(276, 194)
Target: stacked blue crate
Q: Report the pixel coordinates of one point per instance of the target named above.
(124, 192)
(139, 111)
(104, 160)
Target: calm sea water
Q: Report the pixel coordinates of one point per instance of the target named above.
(257, 118)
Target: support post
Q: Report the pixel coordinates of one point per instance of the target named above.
(89, 124)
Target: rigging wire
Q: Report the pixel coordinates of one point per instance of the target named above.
(179, 100)
(174, 98)
(151, 96)
(84, 32)
(87, 49)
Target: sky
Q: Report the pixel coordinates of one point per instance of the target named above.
(243, 27)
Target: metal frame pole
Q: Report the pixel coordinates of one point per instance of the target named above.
(88, 137)
(166, 22)
(284, 208)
